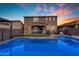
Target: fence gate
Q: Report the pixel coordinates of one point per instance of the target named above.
(4, 34)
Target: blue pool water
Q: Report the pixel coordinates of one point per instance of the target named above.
(61, 46)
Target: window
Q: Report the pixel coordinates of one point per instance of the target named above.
(46, 19)
(49, 19)
(35, 19)
(53, 18)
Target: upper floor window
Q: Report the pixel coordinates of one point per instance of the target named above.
(49, 19)
(46, 19)
(54, 19)
(35, 19)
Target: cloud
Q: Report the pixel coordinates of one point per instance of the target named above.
(61, 4)
(67, 20)
(62, 12)
(52, 9)
(77, 7)
(45, 8)
(38, 8)
(48, 9)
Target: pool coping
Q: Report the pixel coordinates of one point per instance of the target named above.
(26, 37)
(35, 38)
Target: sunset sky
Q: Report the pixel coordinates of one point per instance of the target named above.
(17, 11)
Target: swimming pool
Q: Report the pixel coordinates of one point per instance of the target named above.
(61, 46)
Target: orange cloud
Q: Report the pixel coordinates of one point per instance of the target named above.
(67, 20)
(62, 11)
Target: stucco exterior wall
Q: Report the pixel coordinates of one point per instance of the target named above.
(49, 21)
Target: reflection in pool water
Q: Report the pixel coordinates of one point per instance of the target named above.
(73, 42)
(61, 46)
